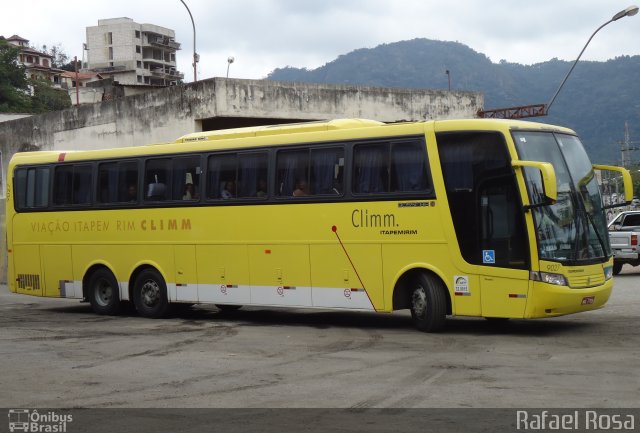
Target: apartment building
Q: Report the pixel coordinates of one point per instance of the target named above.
(132, 53)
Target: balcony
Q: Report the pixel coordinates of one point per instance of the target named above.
(163, 41)
(120, 68)
(171, 74)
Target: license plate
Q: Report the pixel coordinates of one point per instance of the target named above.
(588, 300)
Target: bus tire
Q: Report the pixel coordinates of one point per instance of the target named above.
(150, 294)
(617, 267)
(104, 293)
(428, 303)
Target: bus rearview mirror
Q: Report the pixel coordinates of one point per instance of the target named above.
(548, 177)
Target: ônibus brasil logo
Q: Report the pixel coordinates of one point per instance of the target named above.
(31, 421)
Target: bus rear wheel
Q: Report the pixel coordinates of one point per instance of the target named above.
(150, 294)
(104, 293)
(428, 303)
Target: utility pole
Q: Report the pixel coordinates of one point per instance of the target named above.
(625, 147)
(75, 64)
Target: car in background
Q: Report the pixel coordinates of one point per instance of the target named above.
(623, 236)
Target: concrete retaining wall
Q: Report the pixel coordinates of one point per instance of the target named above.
(162, 115)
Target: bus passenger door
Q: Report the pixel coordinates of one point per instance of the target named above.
(505, 280)
(489, 223)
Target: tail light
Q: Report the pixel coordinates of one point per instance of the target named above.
(634, 240)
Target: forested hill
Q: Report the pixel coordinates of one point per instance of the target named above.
(595, 101)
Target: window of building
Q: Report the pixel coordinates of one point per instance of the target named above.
(45, 62)
(110, 53)
(29, 59)
(139, 77)
(138, 49)
(139, 64)
(137, 33)
(109, 36)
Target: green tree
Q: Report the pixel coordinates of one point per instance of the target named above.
(47, 98)
(59, 57)
(14, 87)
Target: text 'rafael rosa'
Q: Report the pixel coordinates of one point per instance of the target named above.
(576, 420)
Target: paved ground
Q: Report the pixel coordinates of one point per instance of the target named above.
(57, 353)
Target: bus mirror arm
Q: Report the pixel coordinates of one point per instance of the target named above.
(548, 181)
(626, 181)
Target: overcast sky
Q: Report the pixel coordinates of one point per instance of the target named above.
(266, 34)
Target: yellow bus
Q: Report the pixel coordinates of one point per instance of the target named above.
(485, 218)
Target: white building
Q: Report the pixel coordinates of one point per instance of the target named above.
(38, 65)
(133, 53)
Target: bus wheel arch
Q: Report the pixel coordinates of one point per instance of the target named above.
(425, 294)
(148, 292)
(100, 287)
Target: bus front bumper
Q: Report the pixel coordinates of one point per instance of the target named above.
(549, 300)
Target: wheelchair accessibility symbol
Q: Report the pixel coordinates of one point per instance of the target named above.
(489, 257)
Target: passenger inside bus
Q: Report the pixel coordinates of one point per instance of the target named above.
(132, 192)
(262, 188)
(302, 189)
(189, 192)
(229, 190)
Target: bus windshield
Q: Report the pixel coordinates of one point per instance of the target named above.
(574, 228)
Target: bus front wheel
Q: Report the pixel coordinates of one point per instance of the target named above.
(104, 293)
(428, 303)
(617, 268)
(150, 294)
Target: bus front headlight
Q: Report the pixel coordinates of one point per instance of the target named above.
(608, 273)
(546, 277)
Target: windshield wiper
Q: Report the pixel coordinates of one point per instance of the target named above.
(595, 229)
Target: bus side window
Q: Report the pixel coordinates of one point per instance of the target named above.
(186, 178)
(326, 170)
(370, 172)
(409, 167)
(158, 179)
(293, 169)
(252, 175)
(32, 188)
(117, 182)
(222, 176)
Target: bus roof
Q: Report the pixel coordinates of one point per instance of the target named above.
(289, 128)
(314, 132)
